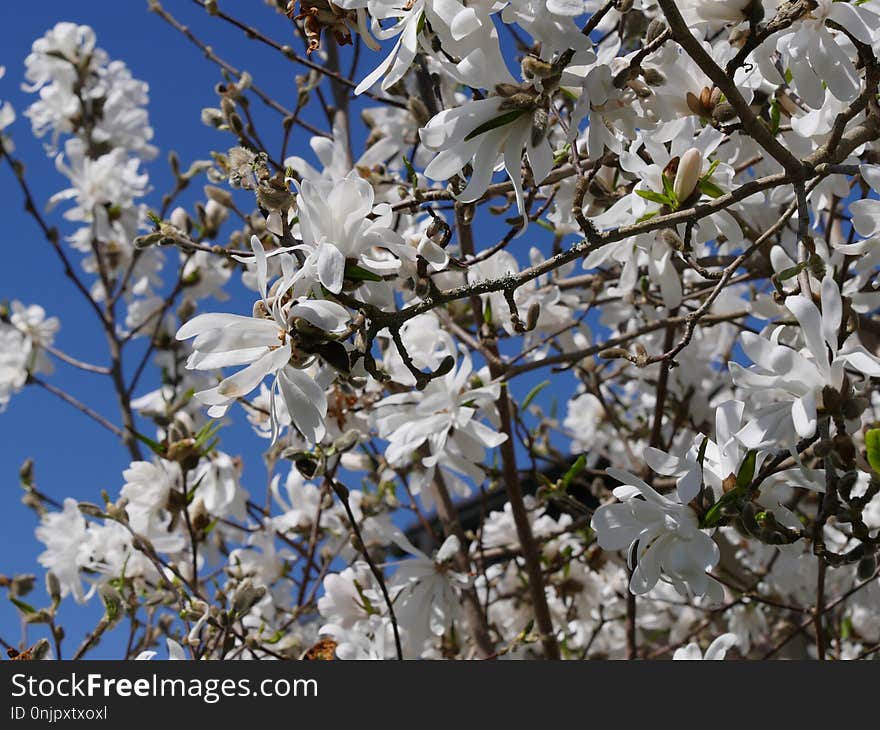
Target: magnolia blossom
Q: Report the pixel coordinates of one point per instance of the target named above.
(267, 346)
(717, 650)
(797, 377)
(23, 340)
(443, 418)
(337, 230)
(817, 55)
(427, 590)
(175, 652)
(486, 134)
(663, 538)
(465, 31)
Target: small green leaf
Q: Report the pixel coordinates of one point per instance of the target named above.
(669, 190)
(872, 441)
(775, 117)
(701, 454)
(746, 470)
(22, 606)
(707, 187)
(575, 469)
(532, 393)
(648, 216)
(353, 272)
(714, 514)
(790, 272)
(206, 432)
(155, 446)
(653, 196)
(499, 121)
(712, 167)
(562, 154)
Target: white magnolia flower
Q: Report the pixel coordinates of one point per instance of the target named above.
(218, 486)
(175, 652)
(426, 591)
(350, 597)
(66, 538)
(716, 650)
(22, 347)
(148, 489)
(340, 225)
(488, 135)
(267, 346)
(663, 538)
(13, 363)
(796, 378)
(66, 68)
(371, 640)
(465, 32)
(818, 56)
(444, 414)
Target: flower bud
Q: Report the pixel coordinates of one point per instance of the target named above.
(53, 587)
(221, 196)
(724, 112)
(540, 120)
(689, 168)
(90, 510)
(112, 601)
(534, 312)
(655, 28)
(179, 219)
(247, 596)
(347, 441)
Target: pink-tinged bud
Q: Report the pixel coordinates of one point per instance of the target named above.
(689, 168)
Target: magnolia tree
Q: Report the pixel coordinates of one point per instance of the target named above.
(658, 215)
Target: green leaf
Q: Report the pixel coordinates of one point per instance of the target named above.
(746, 470)
(353, 272)
(532, 393)
(669, 190)
(648, 216)
(775, 117)
(206, 432)
(420, 26)
(575, 469)
(487, 312)
(22, 606)
(499, 121)
(654, 197)
(707, 187)
(790, 272)
(701, 454)
(715, 513)
(712, 167)
(562, 154)
(872, 441)
(155, 446)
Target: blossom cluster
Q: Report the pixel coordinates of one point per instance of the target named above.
(577, 357)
